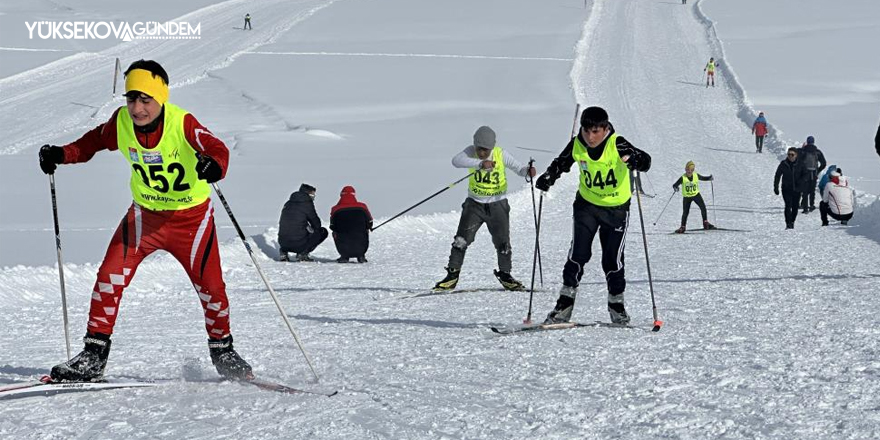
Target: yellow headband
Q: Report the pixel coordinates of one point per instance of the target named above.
(143, 81)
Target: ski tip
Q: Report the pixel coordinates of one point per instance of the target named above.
(657, 325)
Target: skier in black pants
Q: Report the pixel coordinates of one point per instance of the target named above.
(691, 193)
(601, 205)
(814, 162)
(299, 229)
(794, 178)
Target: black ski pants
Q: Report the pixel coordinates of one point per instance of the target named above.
(759, 143)
(809, 196)
(309, 244)
(686, 203)
(496, 216)
(611, 224)
(825, 211)
(792, 198)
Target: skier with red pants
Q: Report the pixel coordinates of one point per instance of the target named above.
(173, 160)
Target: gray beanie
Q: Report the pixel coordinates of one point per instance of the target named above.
(484, 138)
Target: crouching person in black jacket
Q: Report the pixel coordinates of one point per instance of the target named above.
(299, 229)
(351, 221)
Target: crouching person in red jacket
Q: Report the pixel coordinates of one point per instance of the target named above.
(173, 160)
(351, 222)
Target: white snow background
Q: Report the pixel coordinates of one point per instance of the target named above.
(768, 333)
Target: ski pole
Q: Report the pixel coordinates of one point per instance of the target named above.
(60, 263)
(657, 322)
(423, 201)
(266, 281)
(538, 234)
(664, 208)
(714, 211)
(528, 319)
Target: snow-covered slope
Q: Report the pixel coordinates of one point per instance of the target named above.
(769, 333)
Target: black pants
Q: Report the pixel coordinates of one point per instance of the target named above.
(809, 195)
(496, 216)
(247, 25)
(791, 198)
(352, 244)
(759, 143)
(309, 244)
(686, 202)
(611, 223)
(825, 211)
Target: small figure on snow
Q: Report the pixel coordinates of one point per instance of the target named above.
(486, 203)
(814, 162)
(604, 160)
(710, 71)
(247, 22)
(759, 129)
(351, 221)
(838, 198)
(173, 160)
(299, 229)
(690, 193)
(794, 177)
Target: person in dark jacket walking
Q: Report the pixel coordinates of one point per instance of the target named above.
(793, 176)
(299, 229)
(601, 205)
(814, 162)
(759, 129)
(351, 221)
(691, 194)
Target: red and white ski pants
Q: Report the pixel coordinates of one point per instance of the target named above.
(189, 235)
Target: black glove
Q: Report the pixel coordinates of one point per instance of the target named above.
(208, 169)
(776, 191)
(674, 189)
(50, 157)
(631, 163)
(544, 182)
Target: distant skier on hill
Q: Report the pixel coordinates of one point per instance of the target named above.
(814, 162)
(691, 194)
(601, 205)
(486, 203)
(172, 159)
(793, 176)
(759, 129)
(247, 22)
(710, 71)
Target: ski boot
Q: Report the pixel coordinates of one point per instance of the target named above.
(450, 281)
(616, 309)
(561, 313)
(284, 257)
(509, 282)
(844, 222)
(680, 230)
(228, 363)
(342, 260)
(305, 257)
(789, 226)
(88, 365)
(707, 225)
(362, 259)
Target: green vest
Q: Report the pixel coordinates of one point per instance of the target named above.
(603, 182)
(488, 183)
(163, 178)
(692, 188)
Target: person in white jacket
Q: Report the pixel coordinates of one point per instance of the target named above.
(486, 203)
(838, 199)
